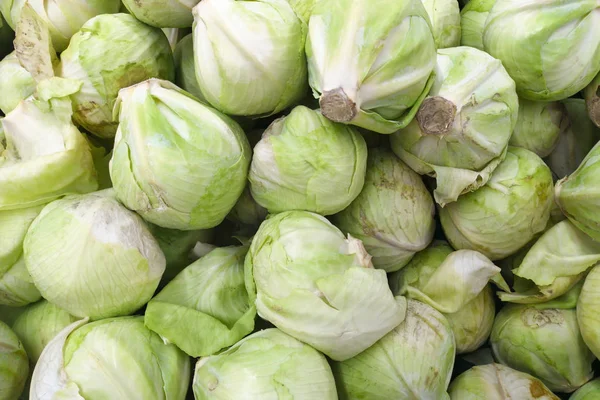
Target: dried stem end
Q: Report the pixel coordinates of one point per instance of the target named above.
(337, 106)
(436, 116)
(593, 106)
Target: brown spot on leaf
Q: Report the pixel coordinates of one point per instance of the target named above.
(537, 389)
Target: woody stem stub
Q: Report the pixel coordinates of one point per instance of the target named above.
(436, 115)
(337, 106)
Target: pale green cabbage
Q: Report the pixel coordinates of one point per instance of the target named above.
(498, 382)
(544, 342)
(370, 62)
(249, 55)
(462, 128)
(578, 197)
(14, 367)
(445, 21)
(63, 17)
(456, 284)
(115, 358)
(311, 282)
(472, 21)
(413, 361)
(177, 162)
(111, 52)
(589, 391)
(443, 278)
(587, 311)
(505, 214)
(185, 71)
(551, 48)
(473, 323)
(92, 257)
(539, 126)
(306, 162)
(267, 365)
(163, 13)
(37, 325)
(394, 213)
(16, 286)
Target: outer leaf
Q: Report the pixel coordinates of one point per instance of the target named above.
(102, 359)
(33, 44)
(16, 83)
(46, 156)
(460, 278)
(49, 380)
(62, 18)
(185, 71)
(206, 307)
(446, 284)
(13, 227)
(556, 262)
(562, 251)
(16, 286)
(472, 21)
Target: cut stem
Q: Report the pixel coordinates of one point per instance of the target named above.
(436, 115)
(337, 106)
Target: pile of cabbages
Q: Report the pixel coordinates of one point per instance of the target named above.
(299, 200)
